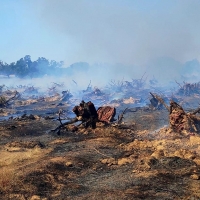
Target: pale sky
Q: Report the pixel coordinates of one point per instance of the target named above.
(132, 32)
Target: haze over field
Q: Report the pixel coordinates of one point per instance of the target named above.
(121, 39)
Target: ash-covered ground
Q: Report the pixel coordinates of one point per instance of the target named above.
(142, 158)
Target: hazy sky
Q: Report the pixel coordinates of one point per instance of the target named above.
(110, 31)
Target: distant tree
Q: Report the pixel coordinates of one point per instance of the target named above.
(33, 70)
(42, 65)
(21, 68)
(1, 67)
(27, 59)
(5, 69)
(45, 66)
(53, 64)
(24, 67)
(32, 66)
(10, 69)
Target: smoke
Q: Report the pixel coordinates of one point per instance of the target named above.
(131, 36)
(128, 32)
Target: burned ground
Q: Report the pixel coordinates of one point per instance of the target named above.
(138, 158)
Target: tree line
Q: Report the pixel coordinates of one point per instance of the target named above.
(25, 67)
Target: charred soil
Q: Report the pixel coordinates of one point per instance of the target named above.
(140, 159)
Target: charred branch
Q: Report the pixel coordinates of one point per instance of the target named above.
(75, 82)
(4, 102)
(89, 87)
(74, 120)
(157, 99)
(178, 84)
(58, 84)
(121, 116)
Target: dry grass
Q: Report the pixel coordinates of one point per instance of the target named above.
(14, 164)
(8, 179)
(15, 157)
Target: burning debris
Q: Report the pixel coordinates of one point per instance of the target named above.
(89, 116)
(97, 92)
(55, 88)
(27, 117)
(85, 112)
(31, 90)
(66, 95)
(116, 86)
(91, 92)
(52, 90)
(183, 122)
(95, 140)
(188, 89)
(120, 94)
(123, 86)
(94, 94)
(4, 101)
(137, 144)
(179, 120)
(89, 88)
